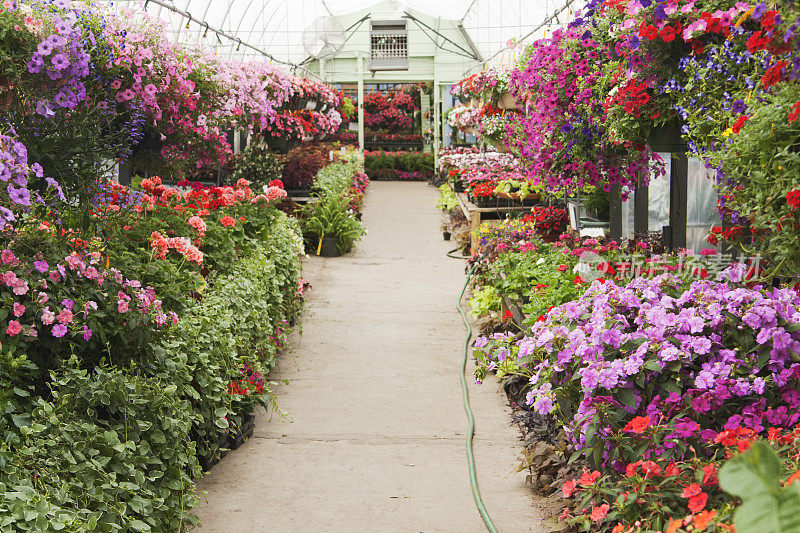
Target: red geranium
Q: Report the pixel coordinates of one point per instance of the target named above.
(793, 198)
(737, 126)
(773, 74)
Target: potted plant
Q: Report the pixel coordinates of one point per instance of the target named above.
(330, 228)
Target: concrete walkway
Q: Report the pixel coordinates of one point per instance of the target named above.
(376, 441)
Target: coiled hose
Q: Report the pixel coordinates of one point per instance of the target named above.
(473, 478)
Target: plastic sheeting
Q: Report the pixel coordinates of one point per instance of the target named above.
(701, 213)
(277, 26)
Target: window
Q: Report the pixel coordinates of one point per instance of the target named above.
(389, 45)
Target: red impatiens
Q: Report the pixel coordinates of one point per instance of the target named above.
(697, 498)
(588, 478)
(691, 490)
(598, 513)
(638, 424)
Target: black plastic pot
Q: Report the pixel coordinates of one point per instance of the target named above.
(446, 235)
(666, 139)
(330, 247)
(245, 432)
(298, 192)
(458, 186)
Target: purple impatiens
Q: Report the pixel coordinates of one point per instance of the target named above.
(697, 359)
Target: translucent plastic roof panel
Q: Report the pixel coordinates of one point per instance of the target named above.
(277, 26)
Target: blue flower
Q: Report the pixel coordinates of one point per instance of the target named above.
(659, 13)
(759, 10)
(566, 128)
(738, 107)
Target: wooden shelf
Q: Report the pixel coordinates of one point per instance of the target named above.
(474, 215)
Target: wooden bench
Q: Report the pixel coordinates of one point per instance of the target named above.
(475, 215)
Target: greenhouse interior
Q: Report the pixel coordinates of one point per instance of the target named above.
(400, 266)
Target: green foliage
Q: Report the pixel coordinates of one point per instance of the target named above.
(346, 108)
(110, 452)
(447, 199)
(755, 477)
(762, 164)
(329, 217)
(113, 443)
(484, 301)
(258, 165)
(335, 179)
(398, 161)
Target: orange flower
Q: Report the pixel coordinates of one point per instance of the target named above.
(598, 513)
(638, 424)
(673, 525)
(794, 477)
(701, 520)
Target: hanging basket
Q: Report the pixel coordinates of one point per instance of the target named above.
(507, 101)
(501, 147)
(666, 139)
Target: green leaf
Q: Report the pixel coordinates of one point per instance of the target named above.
(755, 478)
(138, 525)
(627, 397)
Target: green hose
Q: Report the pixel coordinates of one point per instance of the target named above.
(473, 479)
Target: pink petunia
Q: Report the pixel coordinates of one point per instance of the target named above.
(19, 309)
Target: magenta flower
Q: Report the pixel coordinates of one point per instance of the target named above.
(59, 330)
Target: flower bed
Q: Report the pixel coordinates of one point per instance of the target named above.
(88, 347)
(133, 318)
(404, 166)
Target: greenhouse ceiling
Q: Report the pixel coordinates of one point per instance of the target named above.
(249, 29)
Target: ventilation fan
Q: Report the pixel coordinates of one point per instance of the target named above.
(324, 38)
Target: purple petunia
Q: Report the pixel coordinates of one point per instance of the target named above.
(60, 61)
(19, 196)
(44, 48)
(738, 107)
